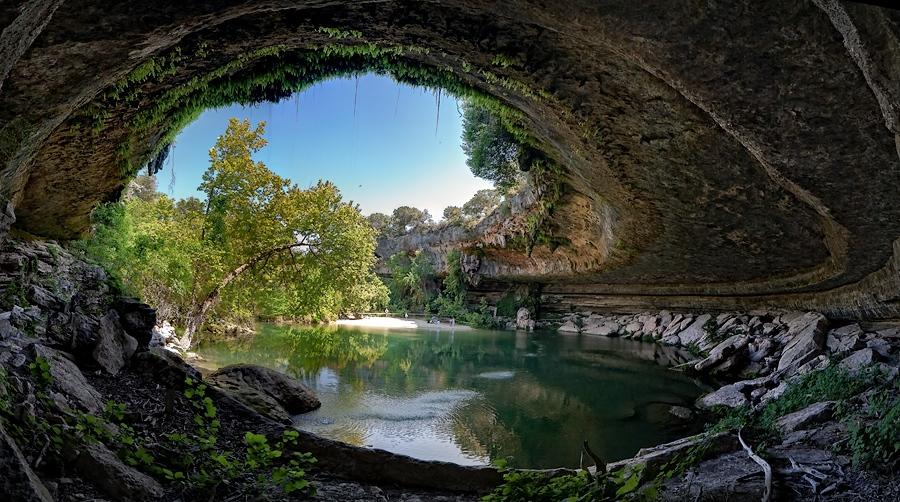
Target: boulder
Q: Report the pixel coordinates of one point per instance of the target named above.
(654, 458)
(68, 379)
(633, 327)
(17, 481)
(769, 329)
(844, 339)
(606, 328)
(269, 392)
(804, 340)
(695, 332)
(665, 318)
(731, 347)
(44, 299)
(569, 327)
(856, 361)
(760, 350)
(881, 346)
(812, 414)
(773, 394)
(524, 320)
(137, 318)
(165, 367)
(7, 218)
(890, 333)
(95, 462)
(731, 396)
(681, 412)
(7, 330)
(114, 347)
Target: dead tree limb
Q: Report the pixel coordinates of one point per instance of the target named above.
(767, 469)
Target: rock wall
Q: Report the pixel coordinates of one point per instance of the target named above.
(729, 155)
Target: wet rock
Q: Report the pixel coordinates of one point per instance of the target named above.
(856, 361)
(17, 481)
(114, 347)
(119, 481)
(812, 414)
(269, 392)
(681, 412)
(844, 339)
(137, 318)
(68, 379)
(804, 340)
(731, 396)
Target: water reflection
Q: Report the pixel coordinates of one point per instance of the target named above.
(470, 397)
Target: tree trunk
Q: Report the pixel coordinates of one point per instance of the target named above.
(198, 318)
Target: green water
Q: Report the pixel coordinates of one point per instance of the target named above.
(474, 396)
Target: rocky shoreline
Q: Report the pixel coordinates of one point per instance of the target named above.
(70, 344)
(760, 356)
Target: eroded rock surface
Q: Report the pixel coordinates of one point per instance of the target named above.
(267, 391)
(696, 174)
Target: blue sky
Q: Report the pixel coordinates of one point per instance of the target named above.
(385, 155)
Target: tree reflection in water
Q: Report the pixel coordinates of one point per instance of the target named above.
(470, 397)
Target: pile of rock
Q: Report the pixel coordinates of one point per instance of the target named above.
(747, 345)
(64, 313)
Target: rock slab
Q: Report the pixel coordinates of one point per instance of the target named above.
(269, 392)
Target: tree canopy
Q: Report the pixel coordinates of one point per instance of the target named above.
(258, 244)
(492, 151)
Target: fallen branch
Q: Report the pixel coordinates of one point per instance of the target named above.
(767, 469)
(808, 470)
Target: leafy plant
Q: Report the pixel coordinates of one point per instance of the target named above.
(874, 433)
(536, 486)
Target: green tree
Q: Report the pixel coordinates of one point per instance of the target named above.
(453, 215)
(379, 221)
(493, 152)
(258, 244)
(411, 279)
(406, 219)
(481, 204)
(141, 187)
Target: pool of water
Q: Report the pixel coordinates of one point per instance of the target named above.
(474, 396)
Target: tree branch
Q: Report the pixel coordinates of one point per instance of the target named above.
(767, 469)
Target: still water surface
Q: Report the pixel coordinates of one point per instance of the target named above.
(474, 396)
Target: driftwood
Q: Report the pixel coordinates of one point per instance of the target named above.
(767, 469)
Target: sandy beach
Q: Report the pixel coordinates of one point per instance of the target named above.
(398, 323)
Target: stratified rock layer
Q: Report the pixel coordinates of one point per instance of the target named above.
(714, 155)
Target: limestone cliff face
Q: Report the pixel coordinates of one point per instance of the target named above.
(715, 155)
